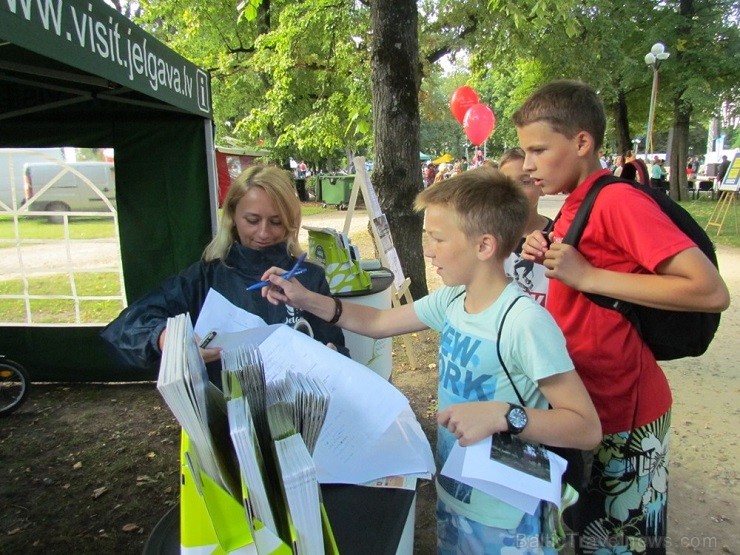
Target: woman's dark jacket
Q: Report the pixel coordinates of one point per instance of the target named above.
(134, 334)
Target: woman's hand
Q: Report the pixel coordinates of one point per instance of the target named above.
(209, 354)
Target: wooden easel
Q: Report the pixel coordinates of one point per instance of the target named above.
(719, 214)
(382, 240)
(728, 191)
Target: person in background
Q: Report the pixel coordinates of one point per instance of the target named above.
(528, 275)
(477, 159)
(441, 173)
(630, 250)
(657, 173)
(258, 230)
(618, 165)
(724, 165)
(430, 172)
(695, 165)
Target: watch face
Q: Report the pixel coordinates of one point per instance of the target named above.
(518, 418)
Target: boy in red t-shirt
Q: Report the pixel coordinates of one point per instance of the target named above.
(629, 250)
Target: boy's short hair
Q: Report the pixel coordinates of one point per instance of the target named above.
(569, 107)
(483, 200)
(515, 153)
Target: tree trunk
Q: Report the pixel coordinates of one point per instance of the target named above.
(621, 124)
(396, 77)
(679, 152)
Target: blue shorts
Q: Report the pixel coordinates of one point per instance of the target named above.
(457, 535)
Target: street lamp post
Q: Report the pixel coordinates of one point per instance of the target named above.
(636, 142)
(653, 59)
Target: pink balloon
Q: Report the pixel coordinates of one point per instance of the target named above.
(479, 123)
(462, 99)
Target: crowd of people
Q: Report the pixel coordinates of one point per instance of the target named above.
(522, 350)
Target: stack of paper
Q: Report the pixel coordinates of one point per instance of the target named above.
(308, 402)
(312, 406)
(251, 462)
(301, 490)
(244, 365)
(197, 404)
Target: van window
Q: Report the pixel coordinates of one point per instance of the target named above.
(60, 260)
(72, 187)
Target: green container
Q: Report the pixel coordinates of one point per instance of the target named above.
(335, 189)
(343, 273)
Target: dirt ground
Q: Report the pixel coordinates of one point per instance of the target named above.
(92, 468)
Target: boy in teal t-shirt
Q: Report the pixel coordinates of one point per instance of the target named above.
(472, 223)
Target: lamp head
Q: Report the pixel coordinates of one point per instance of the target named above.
(650, 58)
(657, 49)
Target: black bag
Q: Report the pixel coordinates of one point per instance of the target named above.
(669, 334)
(578, 472)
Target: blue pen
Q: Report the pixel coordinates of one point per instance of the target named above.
(296, 270)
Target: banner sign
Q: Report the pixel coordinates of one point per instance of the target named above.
(93, 37)
(731, 181)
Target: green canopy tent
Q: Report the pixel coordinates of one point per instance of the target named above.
(78, 73)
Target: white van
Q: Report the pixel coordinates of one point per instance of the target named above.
(69, 187)
(12, 162)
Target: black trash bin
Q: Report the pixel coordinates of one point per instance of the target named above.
(300, 185)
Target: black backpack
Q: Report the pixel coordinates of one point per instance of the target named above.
(669, 334)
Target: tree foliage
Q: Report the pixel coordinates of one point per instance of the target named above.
(295, 76)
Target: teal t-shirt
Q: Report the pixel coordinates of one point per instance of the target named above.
(533, 348)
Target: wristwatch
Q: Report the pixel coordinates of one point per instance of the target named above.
(516, 418)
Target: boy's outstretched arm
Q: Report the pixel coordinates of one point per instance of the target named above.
(365, 320)
(571, 422)
(686, 281)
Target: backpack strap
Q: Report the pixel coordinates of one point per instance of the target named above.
(498, 350)
(575, 232)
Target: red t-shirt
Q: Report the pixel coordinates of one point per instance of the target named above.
(626, 232)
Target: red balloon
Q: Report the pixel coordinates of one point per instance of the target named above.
(479, 123)
(462, 99)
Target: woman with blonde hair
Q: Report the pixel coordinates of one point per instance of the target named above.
(258, 230)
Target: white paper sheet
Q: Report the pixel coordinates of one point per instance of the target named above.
(362, 409)
(223, 316)
(473, 466)
(453, 468)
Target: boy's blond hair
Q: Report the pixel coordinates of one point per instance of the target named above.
(278, 184)
(569, 107)
(483, 200)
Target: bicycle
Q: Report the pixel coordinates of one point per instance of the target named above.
(14, 385)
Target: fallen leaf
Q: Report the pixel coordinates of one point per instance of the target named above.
(151, 455)
(97, 492)
(131, 527)
(77, 465)
(14, 531)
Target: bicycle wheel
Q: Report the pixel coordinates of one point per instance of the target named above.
(14, 386)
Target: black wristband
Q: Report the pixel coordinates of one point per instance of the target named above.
(337, 311)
